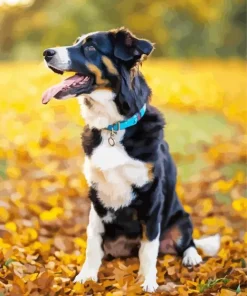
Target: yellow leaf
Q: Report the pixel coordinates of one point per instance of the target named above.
(37, 245)
(53, 200)
(224, 186)
(80, 242)
(226, 292)
(11, 226)
(35, 208)
(70, 273)
(52, 214)
(13, 172)
(3, 245)
(29, 235)
(4, 215)
(240, 177)
(188, 209)
(168, 259)
(33, 276)
(240, 204)
(207, 205)
(245, 237)
(79, 288)
(214, 221)
(196, 233)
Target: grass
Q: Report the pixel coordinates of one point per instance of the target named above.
(187, 134)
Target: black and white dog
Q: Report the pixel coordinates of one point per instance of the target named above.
(128, 167)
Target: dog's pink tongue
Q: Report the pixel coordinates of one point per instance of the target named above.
(53, 90)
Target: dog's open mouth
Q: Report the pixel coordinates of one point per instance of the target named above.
(70, 87)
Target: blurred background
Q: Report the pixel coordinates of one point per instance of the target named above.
(198, 77)
(180, 28)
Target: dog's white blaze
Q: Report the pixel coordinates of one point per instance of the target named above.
(191, 257)
(103, 110)
(61, 60)
(94, 252)
(113, 172)
(148, 254)
(62, 54)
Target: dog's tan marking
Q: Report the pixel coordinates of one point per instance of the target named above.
(88, 101)
(121, 247)
(170, 240)
(175, 233)
(150, 167)
(109, 65)
(98, 74)
(144, 233)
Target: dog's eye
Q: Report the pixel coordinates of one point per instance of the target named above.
(90, 48)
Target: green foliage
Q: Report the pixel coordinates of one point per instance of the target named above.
(3, 166)
(238, 290)
(211, 283)
(179, 28)
(8, 262)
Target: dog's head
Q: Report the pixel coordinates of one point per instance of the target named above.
(107, 81)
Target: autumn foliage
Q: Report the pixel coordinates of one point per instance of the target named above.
(44, 205)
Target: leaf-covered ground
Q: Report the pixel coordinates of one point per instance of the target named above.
(43, 204)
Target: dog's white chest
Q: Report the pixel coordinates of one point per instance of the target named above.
(114, 172)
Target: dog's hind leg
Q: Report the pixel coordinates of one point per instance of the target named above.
(191, 257)
(210, 246)
(186, 245)
(178, 240)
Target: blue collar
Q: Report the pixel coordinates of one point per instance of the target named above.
(129, 122)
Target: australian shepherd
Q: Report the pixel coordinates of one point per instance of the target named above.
(128, 166)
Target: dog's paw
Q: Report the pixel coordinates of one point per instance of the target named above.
(191, 257)
(150, 285)
(86, 274)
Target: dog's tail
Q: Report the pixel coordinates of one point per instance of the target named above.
(209, 245)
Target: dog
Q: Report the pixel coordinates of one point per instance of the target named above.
(130, 172)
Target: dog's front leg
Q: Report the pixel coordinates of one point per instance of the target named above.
(94, 252)
(148, 254)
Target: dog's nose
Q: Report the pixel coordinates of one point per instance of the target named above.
(48, 54)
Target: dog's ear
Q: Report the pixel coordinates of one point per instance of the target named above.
(129, 48)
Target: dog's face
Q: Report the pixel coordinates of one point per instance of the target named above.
(103, 62)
